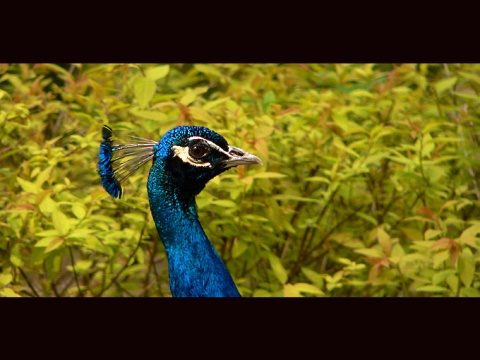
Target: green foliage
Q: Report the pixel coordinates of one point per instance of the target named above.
(369, 187)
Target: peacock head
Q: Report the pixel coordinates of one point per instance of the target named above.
(185, 159)
(193, 155)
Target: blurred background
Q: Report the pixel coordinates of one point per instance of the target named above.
(370, 183)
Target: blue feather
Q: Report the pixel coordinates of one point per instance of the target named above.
(116, 163)
(105, 168)
(184, 160)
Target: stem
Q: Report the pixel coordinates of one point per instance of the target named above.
(114, 280)
(74, 271)
(28, 282)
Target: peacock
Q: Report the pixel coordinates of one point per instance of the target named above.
(184, 160)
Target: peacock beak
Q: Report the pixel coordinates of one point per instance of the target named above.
(240, 157)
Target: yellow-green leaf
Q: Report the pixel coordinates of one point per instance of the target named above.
(308, 288)
(224, 203)
(469, 76)
(5, 279)
(278, 268)
(149, 114)
(27, 186)
(157, 72)
(8, 292)
(43, 176)
(318, 179)
(313, 276)
(411, 233)
(47, 206)
(445, 84)
(373, 252)
(81, 266)
(466, 267)
(188, 98)
(291, 291)
(144, 89)
(79, 210)
(44, 242)
(440, 257)
(296, 198)
(432, 288)
(384, 240)
(55, 243)
(200, 115)
(430, 233)
(469, 235)
(261, 293)
(60, 222)
(268, 175)
(238, 248)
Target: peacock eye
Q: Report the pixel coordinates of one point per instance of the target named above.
(198, 151)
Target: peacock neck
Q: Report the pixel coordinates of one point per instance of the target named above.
(195, 268)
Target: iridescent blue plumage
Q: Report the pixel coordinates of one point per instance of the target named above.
(117, 162)
(184, 160)
(105, 168)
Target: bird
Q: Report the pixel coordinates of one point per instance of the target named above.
(183, 162)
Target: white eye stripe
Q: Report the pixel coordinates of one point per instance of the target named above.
(211, 144)
(182, 153)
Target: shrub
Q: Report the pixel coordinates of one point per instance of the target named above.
(369, 185)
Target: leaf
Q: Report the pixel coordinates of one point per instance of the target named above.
(427, 145)
(469, 235)
(318, 179)
(8, 292)
(296, 198)
(278, 268)
(200, 114)
(261, 293)
(291, 291)
(43, 176)
(5, 279)
(367, 217)
(466, 96)
(430, 233)
(149, 114)
(47, 206)
(469, 76)
(188, 98)
(466, 268)
(308, 288)
(47, 233)
(268, 175)
(445, 84)
(384, 240)
(27, 186)
(208, 69)
(144, 89)
(79, 210)
(440, 257)
(411, 233)
(60, 222)
(224, 203)
(432, 288)
(80, 233)
(442, 275)
(81, 266)
(157, 72)
(313, 276)
(441, 244)
(55, 243)
(452, 281)
(373, 252)
(238, 248)
(261, 146)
